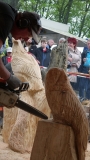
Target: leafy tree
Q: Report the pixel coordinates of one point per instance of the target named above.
(76, 13)
(79, 18)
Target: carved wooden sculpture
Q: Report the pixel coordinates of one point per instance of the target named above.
(66, 108)
(65, 136)
(19, 126)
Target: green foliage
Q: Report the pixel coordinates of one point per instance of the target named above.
(76, 13)
(73, 12)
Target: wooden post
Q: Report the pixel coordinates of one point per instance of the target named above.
(58, 59)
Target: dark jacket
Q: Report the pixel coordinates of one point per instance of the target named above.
(32, 48)
(82, 68)
(42, 57)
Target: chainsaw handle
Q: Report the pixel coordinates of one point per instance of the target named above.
(23, 87)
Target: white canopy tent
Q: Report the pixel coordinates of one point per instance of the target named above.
(60, 28)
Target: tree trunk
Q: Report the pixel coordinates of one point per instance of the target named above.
(58, 59)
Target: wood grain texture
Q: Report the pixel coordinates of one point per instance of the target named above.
(59, 56)
(20, 132)
(53, 141)
(58, 59)
(66, 108)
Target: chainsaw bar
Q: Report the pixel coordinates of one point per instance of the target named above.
(28, 108)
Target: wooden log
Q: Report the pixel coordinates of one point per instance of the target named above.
(53, 141)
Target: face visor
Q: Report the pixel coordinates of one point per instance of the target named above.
(36, 29)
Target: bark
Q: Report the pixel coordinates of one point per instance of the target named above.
(58, 59)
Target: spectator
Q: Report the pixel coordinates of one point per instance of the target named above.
(7, 59)
(74, 59)
(30, 43)
(84, 85)
(62, 40)
(42, 54)
(50, 43)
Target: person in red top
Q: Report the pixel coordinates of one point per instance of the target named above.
(20, 25)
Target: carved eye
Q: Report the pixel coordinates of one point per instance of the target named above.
(63, 91)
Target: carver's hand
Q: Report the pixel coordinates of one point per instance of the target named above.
(14, 82)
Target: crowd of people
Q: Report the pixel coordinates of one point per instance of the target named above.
(77, 61)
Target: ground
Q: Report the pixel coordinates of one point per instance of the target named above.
(88, 152)
(7, 154)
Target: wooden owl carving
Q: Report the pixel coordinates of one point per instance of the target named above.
(66, 107)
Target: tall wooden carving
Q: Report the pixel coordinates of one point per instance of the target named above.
(19, 126)
(65, 136)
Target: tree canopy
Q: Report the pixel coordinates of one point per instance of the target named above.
(76, 13)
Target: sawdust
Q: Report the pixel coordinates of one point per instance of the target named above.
(7, 154)
(88, 152)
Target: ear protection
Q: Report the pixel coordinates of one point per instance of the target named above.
(27, 22)
(23, 23)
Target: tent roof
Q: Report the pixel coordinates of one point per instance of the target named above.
(60, 28)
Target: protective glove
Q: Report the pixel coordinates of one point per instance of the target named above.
(13, 82)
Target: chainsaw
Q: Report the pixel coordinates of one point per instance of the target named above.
(10, 98)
